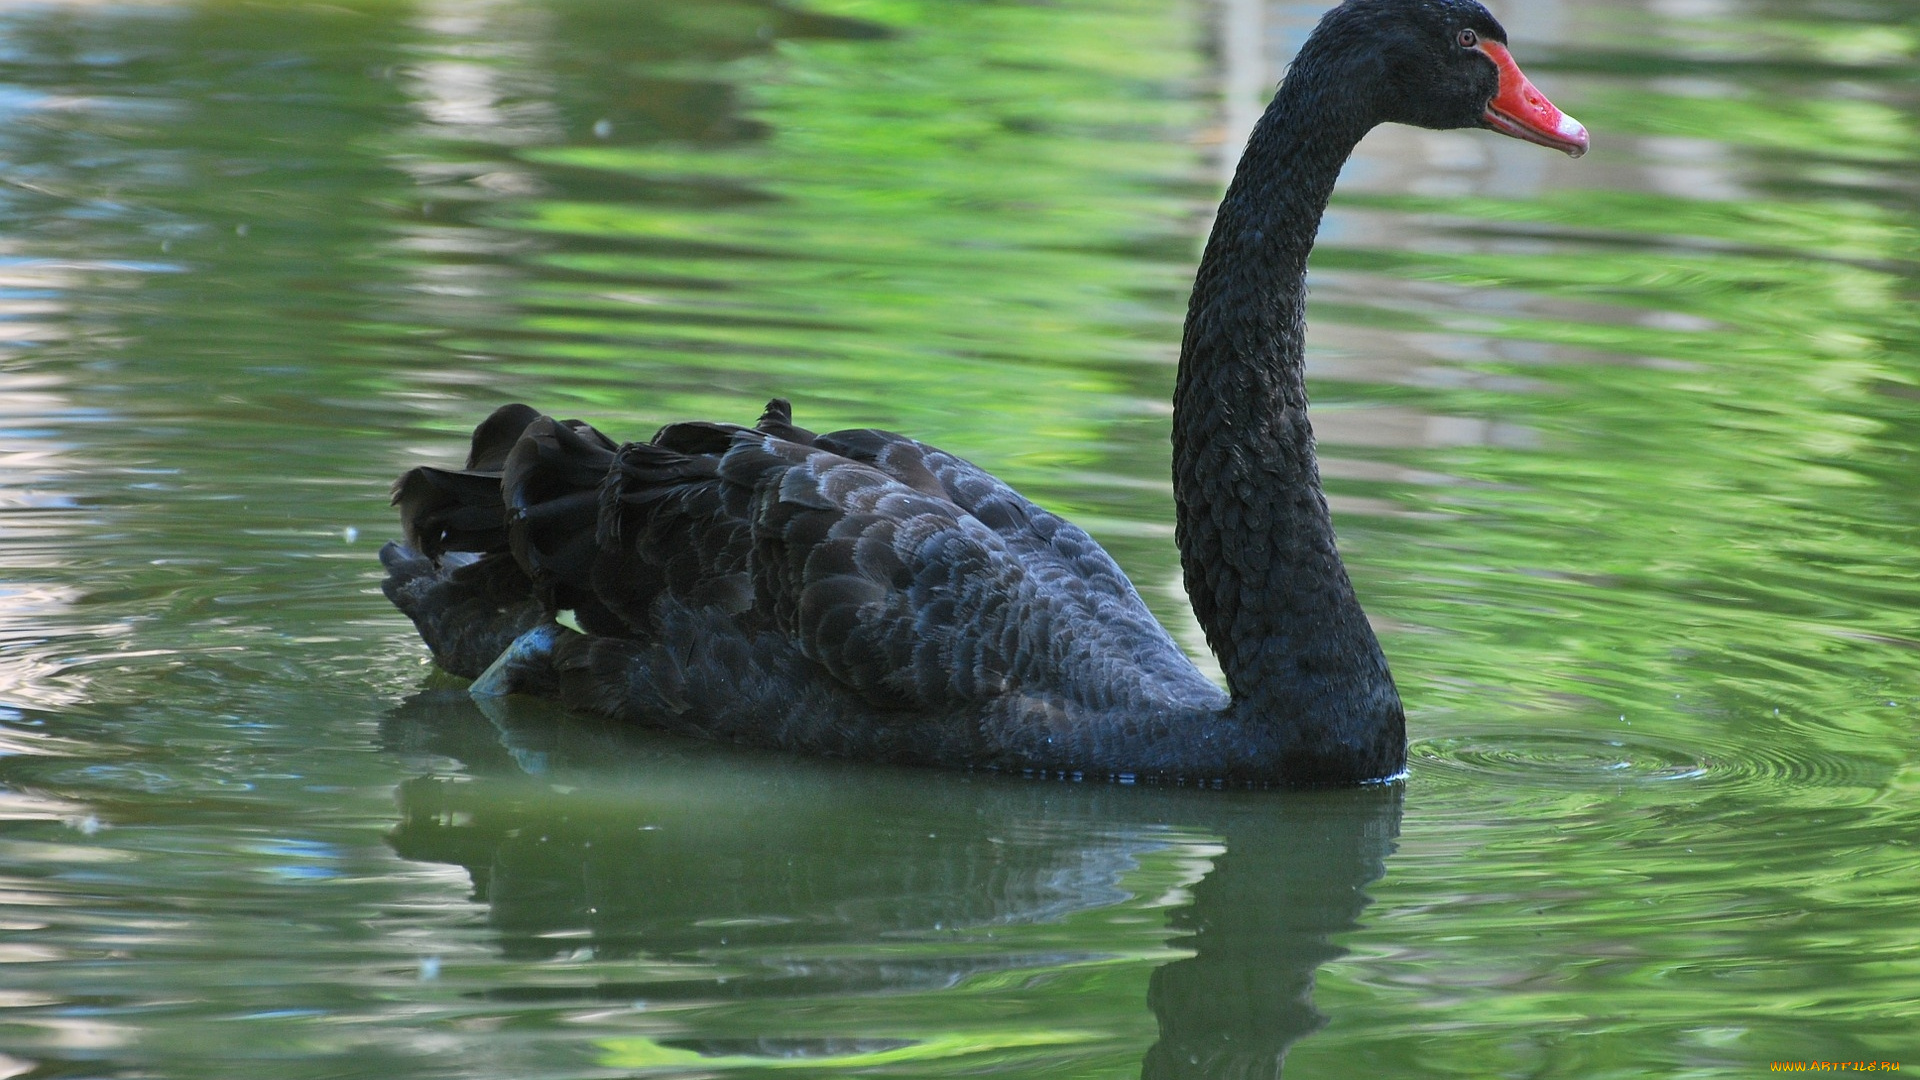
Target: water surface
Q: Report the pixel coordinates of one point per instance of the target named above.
(1620, 451)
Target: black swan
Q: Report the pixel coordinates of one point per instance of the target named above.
(863, 595)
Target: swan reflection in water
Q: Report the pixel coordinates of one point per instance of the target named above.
(758, 881)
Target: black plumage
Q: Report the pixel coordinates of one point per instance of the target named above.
(862, 594)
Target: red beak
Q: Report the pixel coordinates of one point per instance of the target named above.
(1525, 113)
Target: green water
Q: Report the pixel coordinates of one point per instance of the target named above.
(1621, 451)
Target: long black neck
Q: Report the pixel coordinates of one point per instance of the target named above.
(1256, 541)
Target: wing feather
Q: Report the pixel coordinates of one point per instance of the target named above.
(915, 579)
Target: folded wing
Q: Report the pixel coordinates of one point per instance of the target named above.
(910, 576)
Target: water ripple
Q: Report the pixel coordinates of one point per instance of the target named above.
(1587, 759)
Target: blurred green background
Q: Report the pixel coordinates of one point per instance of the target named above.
(1620, 452)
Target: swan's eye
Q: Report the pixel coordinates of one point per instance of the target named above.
(1468, 39)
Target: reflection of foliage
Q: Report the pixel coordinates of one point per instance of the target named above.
(1681, 625)
(904, 938)
(981, 1049)
(787, 912)
(983, 241)
(1836, 129)
(974, 222)
(1759, 335)
(1664, 226)
(928, 244)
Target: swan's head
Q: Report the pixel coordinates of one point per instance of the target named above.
(1440, 64)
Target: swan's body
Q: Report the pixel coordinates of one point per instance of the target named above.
(864, 595)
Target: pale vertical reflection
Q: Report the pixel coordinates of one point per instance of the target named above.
(1692, 9)
(476, 82)
(43, 524)
(480, 82)
(37, 514)
(38, 521)
(1243, 76)
(1397, 160)
(1691, 168)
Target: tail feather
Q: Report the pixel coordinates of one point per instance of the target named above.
(550, 488)
(550, 515)
(777, 420)
(444, 510)
(493, 549)
(496, 436)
